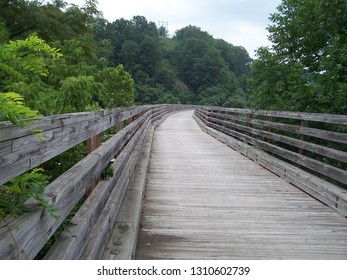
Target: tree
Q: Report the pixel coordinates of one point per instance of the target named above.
(279, 86)
(51, 21)
(237, 58)
(23, 65)
(150, 55)
(309, 39)
(117, 88)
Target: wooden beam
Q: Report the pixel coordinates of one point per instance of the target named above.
(92, 144)
(330, 194)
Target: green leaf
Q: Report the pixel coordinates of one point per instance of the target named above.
(14, 188)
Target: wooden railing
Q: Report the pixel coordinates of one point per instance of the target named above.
(306, 149)
(21, 150)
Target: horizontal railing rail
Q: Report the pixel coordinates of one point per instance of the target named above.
(315, 143)
(21, 150)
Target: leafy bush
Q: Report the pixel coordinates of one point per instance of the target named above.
(16, 192)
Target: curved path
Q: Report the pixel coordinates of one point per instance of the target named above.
(206, 201)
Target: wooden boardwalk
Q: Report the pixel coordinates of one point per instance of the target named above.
(206, 201)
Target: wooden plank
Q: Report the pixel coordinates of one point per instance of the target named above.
(92, 144)
(33, 229)
(334, 196)
(5, 148)
(315, 117)
(10, 131)
(121, 243)
(315, 165)
(57, 140)
(206, 201)
(315, 148)
(98, 236)
(318, 133)
(72, 241)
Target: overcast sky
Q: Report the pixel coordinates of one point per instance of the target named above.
(239, 22)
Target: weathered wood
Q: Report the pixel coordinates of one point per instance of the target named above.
(73, 240)
(205, 201)
(315, 148)
(302, 130)
(85, 223)
(121, 243)
(99, 234)
(93, 223)
(303, 138)
(10, 131)
(315, 165)
(60, 132)
(92, 144)
(120, 126)
(315, 117)
(238, 126)
(332, 195)
(33, 229)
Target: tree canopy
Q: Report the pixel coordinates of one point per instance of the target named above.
(306, 68)
(58, 57)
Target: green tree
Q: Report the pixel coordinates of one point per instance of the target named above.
(309, 49)
(236, 57)
(117, 88)
(23, 65)
(279, 85)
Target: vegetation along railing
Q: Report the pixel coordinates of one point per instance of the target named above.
(21, 149)
(307, 149)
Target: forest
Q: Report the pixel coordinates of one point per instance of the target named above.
(59, 58)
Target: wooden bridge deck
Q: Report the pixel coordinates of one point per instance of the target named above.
(206, 201)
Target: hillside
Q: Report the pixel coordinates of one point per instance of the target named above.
(213, 72)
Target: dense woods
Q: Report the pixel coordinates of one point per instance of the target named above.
(57, 58)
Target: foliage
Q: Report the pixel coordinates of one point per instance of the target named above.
(12, 109)
(23, 64)
(306, 69)
(51, 21)
(117, 89)
(76, 93)
(16, 192)
(25, 60)
(204, 62)
(158, 64)
(284, 89)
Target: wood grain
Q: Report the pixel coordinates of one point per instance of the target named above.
(206, 201)
(294, 147)
(60, 132)
(315, 117)
(33, 229)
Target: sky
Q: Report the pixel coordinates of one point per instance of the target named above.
(239, 22)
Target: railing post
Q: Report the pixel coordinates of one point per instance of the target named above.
(250, 123)
(92, 144)
(119, 126)
(269, 129)
(304, 123)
